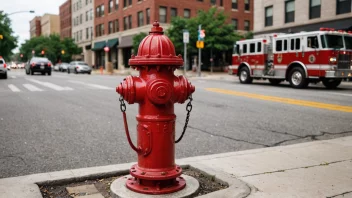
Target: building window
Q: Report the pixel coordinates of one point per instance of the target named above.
(269, 16)
(187, 13)
(246, 5)
(102, 28)
(246, 25)
(80, 18)
(212, 2)
(343, 6)
(130, 22)
(110, 27)
(86, 2)
(221, 3)
(91, 14)
(127, 22)
(87, 33)
(234, 4)
(162, 14)
(80, 35)
(140, 19)
(111, 6)
(87, 15)
(97, 14)
(235, 24)
(148, 15)
(173, 12)
(102, 10)
(116, 4)
(289, 11)
(314, 9)
(117, 26)
(127, 3)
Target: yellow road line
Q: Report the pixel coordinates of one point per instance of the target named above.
(306, 103)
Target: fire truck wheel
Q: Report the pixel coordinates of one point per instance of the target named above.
(331, 83)
(297, 78)
(275, 81)
(244, 76)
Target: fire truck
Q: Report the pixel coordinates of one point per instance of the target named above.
(299, 58)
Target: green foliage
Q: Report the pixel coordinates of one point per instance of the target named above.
(52, 46)
(9, 42)
(137, 40)
(220, 36)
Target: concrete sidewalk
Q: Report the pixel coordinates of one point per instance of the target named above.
(314, 169)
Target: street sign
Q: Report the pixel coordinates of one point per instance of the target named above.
(200, 44)
(185, 36)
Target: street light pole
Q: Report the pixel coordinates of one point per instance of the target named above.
(30, 11)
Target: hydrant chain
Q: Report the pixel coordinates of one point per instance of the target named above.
(189, 109)
(122, 105)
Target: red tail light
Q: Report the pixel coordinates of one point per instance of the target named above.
(33, 64)
(49, 64)
(4, 65)
(77, 67)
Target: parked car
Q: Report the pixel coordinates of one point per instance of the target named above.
(20, 65)
(57, 67)
(13, 65)
(63, 67)
(79, 67)
(3, 70)
(38, 64)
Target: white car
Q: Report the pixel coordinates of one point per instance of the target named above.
(56, 67)
(14, 66)
(3, 70)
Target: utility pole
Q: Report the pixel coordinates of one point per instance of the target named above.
(185, 42)
(199, 53)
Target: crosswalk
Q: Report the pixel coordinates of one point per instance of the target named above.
(34, 85)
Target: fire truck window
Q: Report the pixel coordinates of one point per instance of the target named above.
(259, 47)
(279, 45)
(312, 42)
(244, 48)
(285, 45)
(292, 44)
(298, 43)
(252, 47)
(323, 43)
(238, 49)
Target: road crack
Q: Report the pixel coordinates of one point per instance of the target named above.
(312, 137)
(342, 194)
(227, 137)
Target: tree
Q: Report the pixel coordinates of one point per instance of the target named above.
(52, 47)
(219, 40)
(137, 40)
(8, 42)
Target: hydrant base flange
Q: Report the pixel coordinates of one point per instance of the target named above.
(155, 174)
(154, 187)
(119, 189)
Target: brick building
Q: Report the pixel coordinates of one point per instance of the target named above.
(116, 22)
(65, 20)
(300, 15)
(35, 27)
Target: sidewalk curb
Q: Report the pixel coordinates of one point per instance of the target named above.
(27, 186)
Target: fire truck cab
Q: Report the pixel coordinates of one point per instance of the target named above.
(299, 58)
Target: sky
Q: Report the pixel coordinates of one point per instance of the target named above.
(20, 21)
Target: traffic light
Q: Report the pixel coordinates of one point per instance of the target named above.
(62, 51)
(1, 37)
(43, 52)
(21, 55)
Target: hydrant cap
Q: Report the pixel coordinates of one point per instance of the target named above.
(156, 49)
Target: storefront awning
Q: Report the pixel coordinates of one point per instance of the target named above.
(99, 45)
(113, 42)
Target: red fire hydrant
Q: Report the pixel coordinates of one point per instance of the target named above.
(156, 89)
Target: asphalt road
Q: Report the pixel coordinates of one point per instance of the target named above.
(58, 122)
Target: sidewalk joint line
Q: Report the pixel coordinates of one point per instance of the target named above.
(342, 194)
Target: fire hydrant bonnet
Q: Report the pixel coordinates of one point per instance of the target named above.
(156, 49)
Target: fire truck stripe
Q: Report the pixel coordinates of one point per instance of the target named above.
(306, 103)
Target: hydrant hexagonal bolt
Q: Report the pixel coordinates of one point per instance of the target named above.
(156, 89)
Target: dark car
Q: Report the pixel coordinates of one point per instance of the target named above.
(38, 64)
